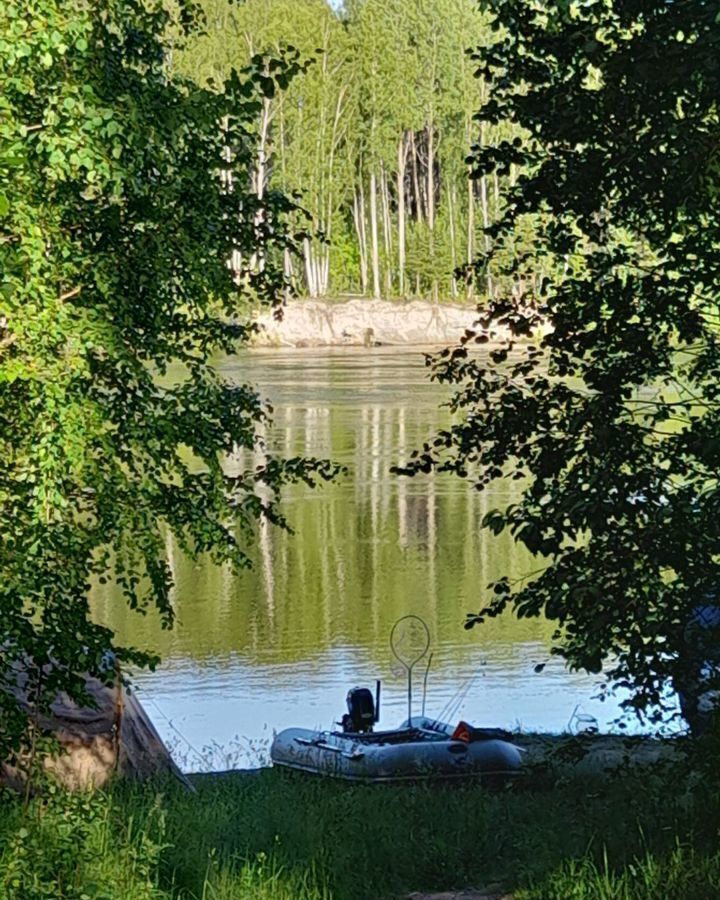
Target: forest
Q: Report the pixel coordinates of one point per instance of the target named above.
(167, 168)
(372, 135)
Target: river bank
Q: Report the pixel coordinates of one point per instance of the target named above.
(637, 835)
(562, 755)
(362, 322)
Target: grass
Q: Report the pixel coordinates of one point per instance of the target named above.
(279, 836)
(679, 875)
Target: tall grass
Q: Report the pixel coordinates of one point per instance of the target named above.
(682, 874)
(81, 847)
(279, 836)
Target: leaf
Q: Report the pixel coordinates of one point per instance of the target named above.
(98, 305)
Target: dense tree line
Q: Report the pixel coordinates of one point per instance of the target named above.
(373, 137)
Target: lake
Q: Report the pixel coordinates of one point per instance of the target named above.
(280, 645)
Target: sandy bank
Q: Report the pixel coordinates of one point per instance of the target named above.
(362, 322)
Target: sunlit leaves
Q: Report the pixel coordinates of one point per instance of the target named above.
(123, 194)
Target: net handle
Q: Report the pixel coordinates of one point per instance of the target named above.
(409, 665)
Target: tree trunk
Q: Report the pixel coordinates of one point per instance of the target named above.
(387, 230)
(416, 179)
(469, 279)
(401, 165)
(486, 219)
(260, 176)
(486, 224)
(430, 181)
(359, 219)
(431, 176)
(325, 271)
(317, 265)
(310, 273)
(329, 199)
(453, 255)
(375, 249)
(288, 273)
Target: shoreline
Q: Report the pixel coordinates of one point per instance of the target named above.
(585, 753)
(364, 323)
(561, 832)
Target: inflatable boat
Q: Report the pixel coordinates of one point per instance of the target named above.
(419, 749)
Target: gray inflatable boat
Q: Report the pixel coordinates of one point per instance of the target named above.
(405, 754)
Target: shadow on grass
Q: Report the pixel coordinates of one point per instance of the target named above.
(381, 841)
(286, 836)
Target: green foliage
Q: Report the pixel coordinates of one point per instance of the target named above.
(79, 847)
(610, 419)
(124, 196)
(268, 836)
(678, 875)
(384, 79)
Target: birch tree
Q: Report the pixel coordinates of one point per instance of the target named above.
(373, 137)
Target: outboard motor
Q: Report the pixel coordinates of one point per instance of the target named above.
(362, 712)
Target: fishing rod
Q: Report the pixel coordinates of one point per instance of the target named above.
(462, 696)
(455, 701)
(425, 679)
(202, 757)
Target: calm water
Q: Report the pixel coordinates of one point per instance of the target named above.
(281, 644)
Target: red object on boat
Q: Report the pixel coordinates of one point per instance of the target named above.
(463, 732)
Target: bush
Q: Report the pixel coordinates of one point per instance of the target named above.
(77, 846)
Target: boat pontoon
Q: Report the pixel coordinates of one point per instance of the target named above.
(420, 749)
